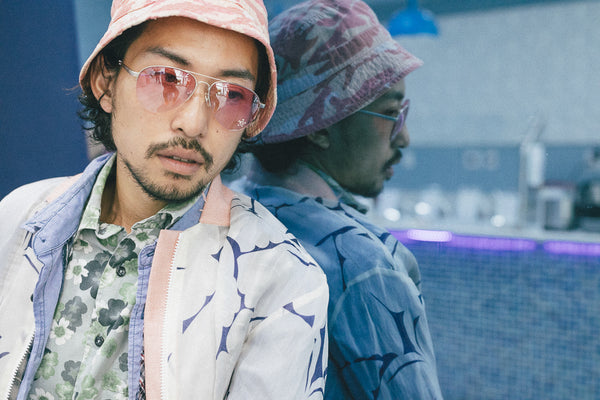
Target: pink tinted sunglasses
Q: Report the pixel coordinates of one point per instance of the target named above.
(161, 88)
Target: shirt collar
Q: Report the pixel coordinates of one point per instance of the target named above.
(164, 219)
(343, 195)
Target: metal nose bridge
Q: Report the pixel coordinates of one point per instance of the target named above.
(206, 92)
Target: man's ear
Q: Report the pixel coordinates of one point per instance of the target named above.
(101, 81)
(319, 138)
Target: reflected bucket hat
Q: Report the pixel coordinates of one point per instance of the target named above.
(333, 58)
(248, 17)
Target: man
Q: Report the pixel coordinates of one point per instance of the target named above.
(337, 130)
(145, 275)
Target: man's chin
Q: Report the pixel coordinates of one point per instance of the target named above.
(368, 192)
(170, 188)
(172, 194)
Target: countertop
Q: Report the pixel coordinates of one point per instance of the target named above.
(487, 230)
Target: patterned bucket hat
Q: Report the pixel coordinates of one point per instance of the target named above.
(333, 58)
(248, 17)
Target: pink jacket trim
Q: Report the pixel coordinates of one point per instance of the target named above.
(217, 208)
(156, 308)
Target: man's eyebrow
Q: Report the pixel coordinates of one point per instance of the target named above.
(161, 51)
(228, 73)
(394, 96)
(238, 73)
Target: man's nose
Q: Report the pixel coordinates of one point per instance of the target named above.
(192, 117)
(402, 139)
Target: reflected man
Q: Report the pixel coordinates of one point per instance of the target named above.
(337, 131)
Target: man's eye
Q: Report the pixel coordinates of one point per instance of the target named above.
(170, 78)
(235, 95)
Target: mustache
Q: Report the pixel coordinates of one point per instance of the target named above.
(185, 144)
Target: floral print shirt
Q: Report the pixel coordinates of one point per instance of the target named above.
(86, 354)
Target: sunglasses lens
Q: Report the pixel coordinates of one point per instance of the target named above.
(399, 124)
(234, 106)
(164, 88)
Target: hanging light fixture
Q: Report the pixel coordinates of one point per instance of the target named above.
(412, 20)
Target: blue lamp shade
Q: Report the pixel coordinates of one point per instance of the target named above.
(412, 21)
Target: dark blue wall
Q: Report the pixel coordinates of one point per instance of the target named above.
(40, 133)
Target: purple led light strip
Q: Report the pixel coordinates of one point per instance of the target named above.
(497, 243)
(585, 249)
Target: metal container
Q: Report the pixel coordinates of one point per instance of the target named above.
(555, 207)
(587, 204)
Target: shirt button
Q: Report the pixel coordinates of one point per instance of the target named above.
(99, 340)
(121, 271)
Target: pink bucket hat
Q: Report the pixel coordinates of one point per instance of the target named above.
(248, 17)
(334, 58)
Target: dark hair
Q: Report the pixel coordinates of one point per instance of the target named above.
(277, 157)
(98, 119)
(263, 81)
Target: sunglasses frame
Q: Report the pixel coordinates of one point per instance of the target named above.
(399, 121)
(256, 99)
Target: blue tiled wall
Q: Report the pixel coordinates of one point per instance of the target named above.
(512, 324)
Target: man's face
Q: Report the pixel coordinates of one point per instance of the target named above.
(361, 155)
(172, 155)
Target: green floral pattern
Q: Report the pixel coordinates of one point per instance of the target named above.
(86, 353)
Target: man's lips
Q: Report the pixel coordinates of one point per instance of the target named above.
(395, 159)
(389, 166)
(182, 155)
(181, 161)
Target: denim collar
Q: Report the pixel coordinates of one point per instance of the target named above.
(342, 194)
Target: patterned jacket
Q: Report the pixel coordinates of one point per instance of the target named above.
(379, 340)
(235, 306)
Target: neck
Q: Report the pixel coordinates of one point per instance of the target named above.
(126, 204)
(298, 178)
